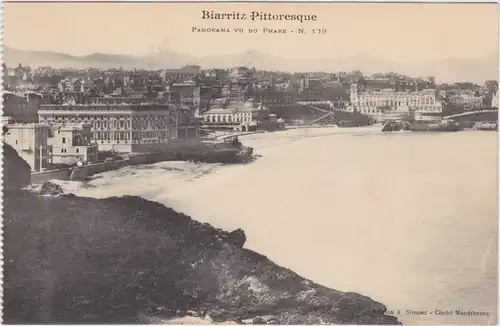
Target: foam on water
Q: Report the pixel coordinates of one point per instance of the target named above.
(409, 219)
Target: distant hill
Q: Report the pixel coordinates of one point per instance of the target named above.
(474, 70)
(454, 69)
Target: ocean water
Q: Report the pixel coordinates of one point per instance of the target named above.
(408, 219)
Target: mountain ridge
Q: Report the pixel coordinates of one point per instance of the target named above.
(475, 70)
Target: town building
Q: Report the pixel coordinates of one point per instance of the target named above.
(494, 100)
(76, 84)
(224, 114)
(241, 75)
(123, 127)
(185, 73)
(206, 94)
(30, 142)
(234, 91)
(22, 108)
(390, 103)
(5, 120)
(473, 102)
(466, 101)
(187, 94)
(311, 89)
(275, 97)
(72, 143)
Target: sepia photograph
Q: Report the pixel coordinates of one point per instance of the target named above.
(250, 163)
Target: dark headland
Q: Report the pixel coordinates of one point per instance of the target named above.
(79, 260)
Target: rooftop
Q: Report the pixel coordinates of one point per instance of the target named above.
(248, 106)
(72, 126)
(67, 105)
(31, 125)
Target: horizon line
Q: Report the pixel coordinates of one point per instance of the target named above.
(144, 55)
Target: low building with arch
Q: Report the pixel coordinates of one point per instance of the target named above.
(234, 115)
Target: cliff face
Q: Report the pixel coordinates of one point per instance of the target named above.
(81, 260)
(16, 171)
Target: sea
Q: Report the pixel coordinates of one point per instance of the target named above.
(408, 219)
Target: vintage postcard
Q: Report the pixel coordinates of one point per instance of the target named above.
(250, 163)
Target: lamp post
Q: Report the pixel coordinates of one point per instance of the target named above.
(41, 158)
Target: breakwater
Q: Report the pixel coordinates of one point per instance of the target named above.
(60, 174)
(80, 173)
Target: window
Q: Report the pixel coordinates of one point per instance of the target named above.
(64, 140)
(77, 150)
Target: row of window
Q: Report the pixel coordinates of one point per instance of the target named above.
(382, 102)
(104, 108)
(227, 118)
(375, 111)
(105, 117)
(65, 150)
(148, 141)
(138, 124)
(136, 135)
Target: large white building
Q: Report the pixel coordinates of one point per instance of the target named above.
(389, 103)
(123, 127)
(466, 101)
(232, 113)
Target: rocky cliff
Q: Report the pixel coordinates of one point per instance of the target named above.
(16, 171)
(81, 260)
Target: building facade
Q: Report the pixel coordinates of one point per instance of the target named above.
(494, 100)
(234, 114)
(123, 127)
(30, 142)
(21, 108)
(187, 94)
(185, 73)
(466, 101)
(388, 102)
(72, 143)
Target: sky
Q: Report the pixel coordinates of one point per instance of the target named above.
(416, 32)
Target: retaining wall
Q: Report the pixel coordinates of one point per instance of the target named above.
(61, 174)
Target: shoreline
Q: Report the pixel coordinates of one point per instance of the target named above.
(178, 266)
(375, 129)
(262, 137)
(78, 173)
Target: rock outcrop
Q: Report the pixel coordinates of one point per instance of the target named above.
(50, 188)
(16, 171)
(81, 260)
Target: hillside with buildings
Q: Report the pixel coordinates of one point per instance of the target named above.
(60, 117)
(450, 70)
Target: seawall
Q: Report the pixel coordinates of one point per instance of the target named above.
(79, 173)
(61, 174)
(236, 134)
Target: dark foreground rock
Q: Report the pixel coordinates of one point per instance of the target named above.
(16, 171)
(52, 189)
(80, 260)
